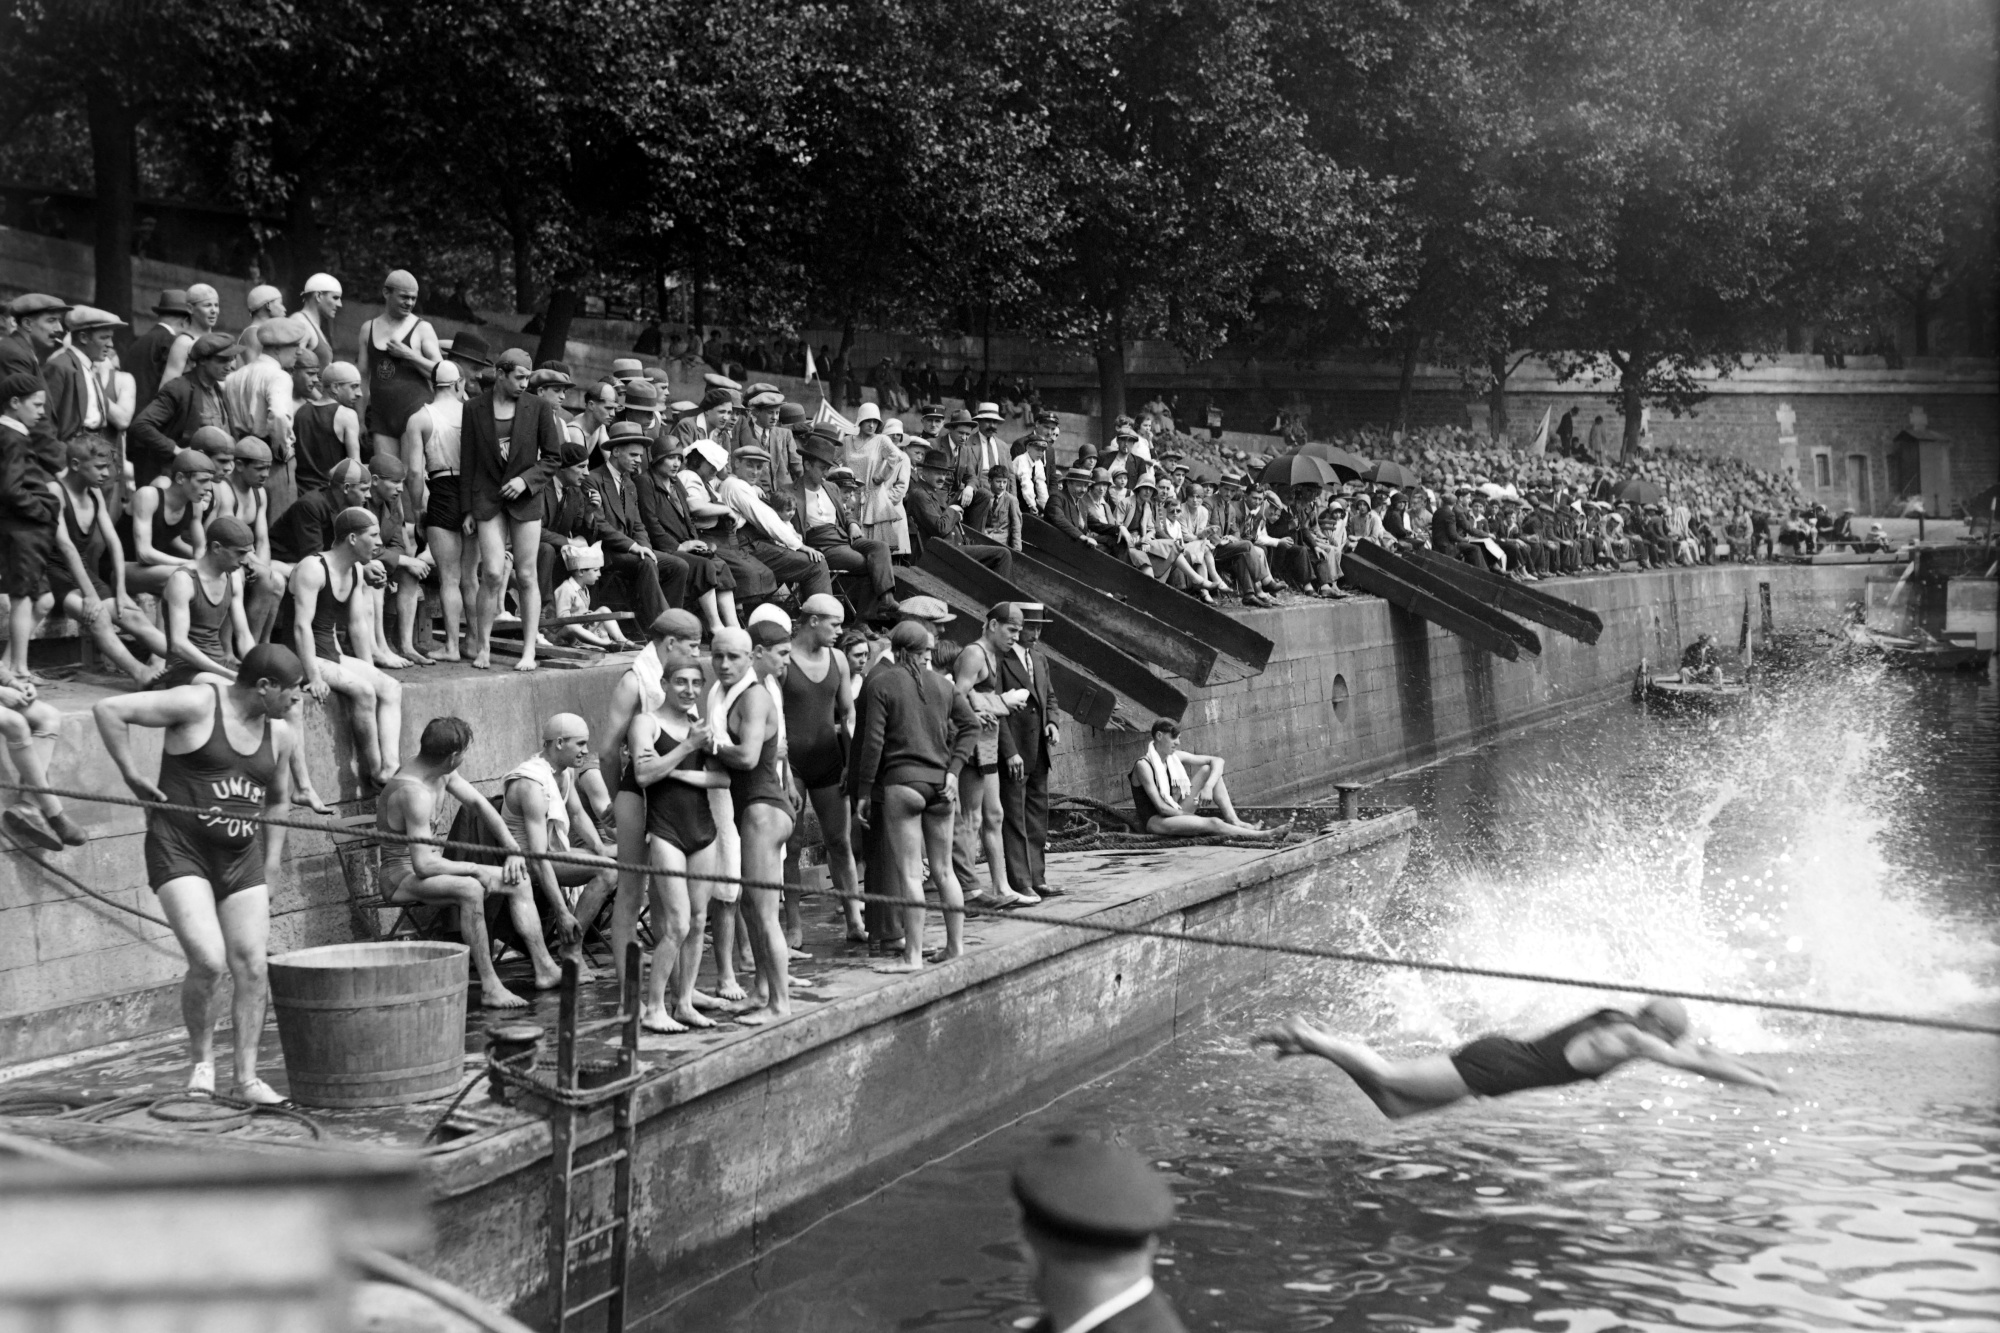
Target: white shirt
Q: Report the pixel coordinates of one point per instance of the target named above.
(258, 397)
(1031, 481)
(819, 507)
(95, 415)
(753, 513)
(1117, 1305)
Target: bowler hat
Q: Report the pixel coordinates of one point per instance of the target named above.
(469, 346)
(173, 301)
(791, 415)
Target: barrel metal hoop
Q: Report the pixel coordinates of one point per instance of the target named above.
(376, 1002)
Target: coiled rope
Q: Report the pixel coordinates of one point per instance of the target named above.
(1072, 923)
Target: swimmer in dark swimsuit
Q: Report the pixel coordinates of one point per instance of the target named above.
(226, 750)
(748, 723)
(819, 717)
(1583, 1051)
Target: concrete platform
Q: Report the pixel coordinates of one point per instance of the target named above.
(1353, 690)
(748, 1135)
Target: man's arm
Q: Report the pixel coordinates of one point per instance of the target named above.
(530, 805)
(1213, 764)
(756, 722)
(150, 427)
(277, 796)
(307, 580)
(116, 716)
(579, 818)
(347, 429)
(870, 744)
(145, 503)
(515, 867)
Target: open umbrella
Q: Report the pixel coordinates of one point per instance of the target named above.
(1349, 466)
(1298, 470)
(1639, 491)
(1387, 473)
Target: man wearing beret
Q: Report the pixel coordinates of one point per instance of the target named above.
(183, 406)
(259, 396)
(80, 399)
(1092, 1214)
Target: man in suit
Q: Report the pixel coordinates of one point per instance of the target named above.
(38, 333)
(655, 579)
(1069, 507)
(1028, 735)
(935, 518)
(146, 358)
(759, 428)
(511, 446)
(828, 528)
(75, 372)
(1092, 1213)
(185, 404)
(670, 526)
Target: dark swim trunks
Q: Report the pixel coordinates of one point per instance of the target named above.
(1496, 1066)
(173, 852)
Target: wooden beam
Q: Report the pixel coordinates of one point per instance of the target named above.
(1123, 626)
(1567, 618)
(1228, 635)
(1417, 601)
(1466, 603)
(974, 588)
(1088, 701)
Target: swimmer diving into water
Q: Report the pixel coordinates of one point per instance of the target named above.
(1587, 1049)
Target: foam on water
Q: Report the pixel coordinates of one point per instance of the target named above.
(1745, 855)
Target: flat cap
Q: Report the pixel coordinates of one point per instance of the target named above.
(211, 344)
(1092, 1193)
(280, 333)
(213, 441)
(35, 303)
(84, 317)
(768, 398)
(926, 608)
(714, 381)
(752, 453)
(721, 397)
(552, 375)
(756, 387)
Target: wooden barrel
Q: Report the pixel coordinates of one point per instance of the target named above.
(372, 1024)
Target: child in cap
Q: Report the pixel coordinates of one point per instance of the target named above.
(586, 567)
(1003, 514)
(29, 509)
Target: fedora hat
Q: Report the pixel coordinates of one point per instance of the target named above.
(820, 450)
(959, 418)
(469, 346)
(625, 432)
(173, 301)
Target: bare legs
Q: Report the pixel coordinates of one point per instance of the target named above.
(764, 828)
(913, 830)
(214, 936)
(1398, 1088)
(828, 804)
(672, 921)
(457, 587)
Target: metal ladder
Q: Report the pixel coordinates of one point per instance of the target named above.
(570, 1249)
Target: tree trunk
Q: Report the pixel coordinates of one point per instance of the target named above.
(1406, 384)
(523, 238)
(565, 303)
(1496, 395)
(1920, 315)
(114, 161)
(305, 240)
(1110, 378)
(1632, 404)
(698, 295)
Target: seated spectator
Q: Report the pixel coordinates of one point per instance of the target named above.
(934, 517)
(162, 529)
(1166, 795)
(764, 533)
(87, 574)
(28, 727)
(184, 405)
(701, 485)
(207, 628)
(651, 579)
(305, 528)
(543, 811)
(1701, 664)
(572, 601)
(421, 873)
(832, 529)
(331, 625)
(671, 526)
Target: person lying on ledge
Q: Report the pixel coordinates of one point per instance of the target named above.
(1583, 1051)
(1166, 793)
(1701, 664)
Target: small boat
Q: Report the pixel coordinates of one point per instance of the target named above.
(1922, 651)
(1672, 694)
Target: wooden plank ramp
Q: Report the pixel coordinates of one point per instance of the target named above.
(1120, 624)
(1565, 618)
(1228, 635)
(1418, 601)
(1451, 594)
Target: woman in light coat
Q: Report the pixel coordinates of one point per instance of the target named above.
(885, 480)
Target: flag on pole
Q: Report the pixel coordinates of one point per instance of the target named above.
(1541, 444)
(812, 370)
(826, 416)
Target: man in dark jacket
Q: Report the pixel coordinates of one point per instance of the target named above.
(511, 446)
(934, 518)
(183, 406)
(1092, 1213)
(670, 526)
(656, 579)
(146, 358)
(75, 372)
(38, 332)
(1028, 736)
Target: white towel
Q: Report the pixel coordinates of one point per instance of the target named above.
(1169, 776)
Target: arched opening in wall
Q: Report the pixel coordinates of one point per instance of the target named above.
(1339, 695)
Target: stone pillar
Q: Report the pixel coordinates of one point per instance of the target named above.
(1788, 441)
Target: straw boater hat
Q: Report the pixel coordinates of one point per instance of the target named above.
(988, 412)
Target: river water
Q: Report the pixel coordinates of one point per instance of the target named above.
(1839, 845)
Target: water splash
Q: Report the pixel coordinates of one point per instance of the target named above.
(1750, 855)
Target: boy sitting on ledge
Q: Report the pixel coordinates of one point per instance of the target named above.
(1166, 795)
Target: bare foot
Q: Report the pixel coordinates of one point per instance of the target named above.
(799, 955)
(703, 1000)
(391, 662)
(946, 954)
(654, 1020)
(753, 1018)
(482, 661)
(901, 965)
(731, 991)
(548, 980)
(527, 663)
(693, 1017)
(313, 801)
(420, 659)
(856, 935)
(450, 654)
(497, 996)
(584, 971)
